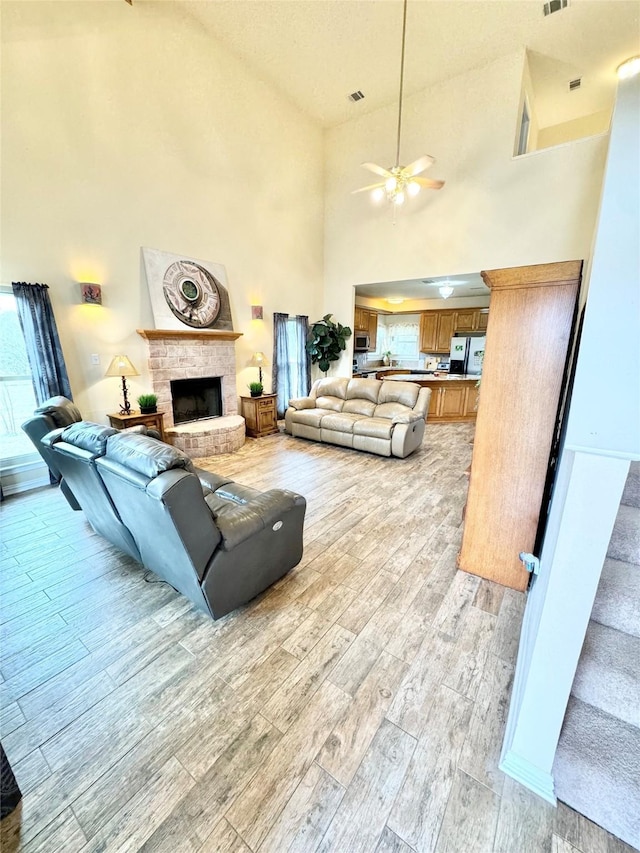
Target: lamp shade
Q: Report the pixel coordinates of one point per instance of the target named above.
(258, 359)
(121, 366)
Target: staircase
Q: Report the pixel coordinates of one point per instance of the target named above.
(597, 764)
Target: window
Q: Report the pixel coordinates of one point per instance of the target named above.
(17, 398)
(296, 342)
(400, 336)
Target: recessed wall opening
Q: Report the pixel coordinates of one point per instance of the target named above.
(194, 399)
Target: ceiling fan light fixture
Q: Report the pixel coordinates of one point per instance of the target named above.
(445, 290)
(377, 195)
(400, 180)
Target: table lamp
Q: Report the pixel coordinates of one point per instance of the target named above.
(258, 359)
(121, 366)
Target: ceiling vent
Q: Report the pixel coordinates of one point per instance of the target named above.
(555, 6)
(356, 96)
(575, 84)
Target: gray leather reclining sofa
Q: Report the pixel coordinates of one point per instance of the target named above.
(217, 542)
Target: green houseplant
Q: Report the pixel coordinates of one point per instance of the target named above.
(255, 389)
(326, 341)
(147, 403)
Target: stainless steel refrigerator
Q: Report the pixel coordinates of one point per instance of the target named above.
(466, 355)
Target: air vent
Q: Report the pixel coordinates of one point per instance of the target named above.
(555, 6)
(575, 84)
(356, 96)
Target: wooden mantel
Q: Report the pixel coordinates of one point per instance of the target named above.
(154, 334)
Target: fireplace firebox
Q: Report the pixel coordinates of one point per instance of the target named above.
(194, 399)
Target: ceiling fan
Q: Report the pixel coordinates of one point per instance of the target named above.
(400, 180)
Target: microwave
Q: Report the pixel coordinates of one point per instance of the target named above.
(360, 342)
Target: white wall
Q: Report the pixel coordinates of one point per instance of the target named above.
(494, 211)
(127, 127)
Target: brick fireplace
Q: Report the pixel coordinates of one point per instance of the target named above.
(185, 354)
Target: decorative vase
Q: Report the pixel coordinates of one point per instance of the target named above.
(385, 360)
(148, 410)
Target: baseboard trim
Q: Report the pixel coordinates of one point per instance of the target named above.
(25, 485)
(536, 780)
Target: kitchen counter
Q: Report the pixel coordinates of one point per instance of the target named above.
(427, 379)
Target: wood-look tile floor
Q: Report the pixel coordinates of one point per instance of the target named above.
(359, 705)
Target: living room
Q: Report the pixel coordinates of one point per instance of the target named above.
(139, 127)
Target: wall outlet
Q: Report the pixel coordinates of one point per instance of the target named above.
(95, 358)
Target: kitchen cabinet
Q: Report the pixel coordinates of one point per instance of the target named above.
(361, 319)
(452, 400)
(373, 330)
(438, 327)
(428, 331)
(446, 328)
(471, 320)
(516, 424)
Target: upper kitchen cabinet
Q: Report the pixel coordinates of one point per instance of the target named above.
(373, 331)
(438, 327)
(471, 320)
(361, 319)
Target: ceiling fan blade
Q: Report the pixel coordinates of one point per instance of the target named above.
(378, 170)
(428, 183)
(370, 187)
(419, 165)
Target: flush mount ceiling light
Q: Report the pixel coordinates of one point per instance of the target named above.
(400, 181)
(395, 300)
(629, 68)
(445, 290)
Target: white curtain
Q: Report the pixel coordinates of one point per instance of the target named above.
(401, 337)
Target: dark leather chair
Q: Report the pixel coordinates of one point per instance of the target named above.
(217, 542)
(54, 413)
(74, 450)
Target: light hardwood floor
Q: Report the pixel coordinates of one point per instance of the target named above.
(359, 705)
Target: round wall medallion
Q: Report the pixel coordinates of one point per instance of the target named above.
(191, 293)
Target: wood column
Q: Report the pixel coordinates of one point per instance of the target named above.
(531, 318)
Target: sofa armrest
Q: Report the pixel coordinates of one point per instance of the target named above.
(239, 522)
(407, 417)
(211, 481)
(51, 437)
(302, 403)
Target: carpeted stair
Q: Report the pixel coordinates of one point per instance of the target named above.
(597, 765)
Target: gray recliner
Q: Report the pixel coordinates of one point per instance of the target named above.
(57, 413)
(54, 413)
(74, 450)
(217, 542)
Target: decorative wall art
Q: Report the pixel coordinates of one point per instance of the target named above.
(186, 292)
(91, 293)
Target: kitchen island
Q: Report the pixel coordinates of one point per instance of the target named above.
(453, 397)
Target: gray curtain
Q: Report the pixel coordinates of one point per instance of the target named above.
(48, 370)
(291, 361)
(280, 370)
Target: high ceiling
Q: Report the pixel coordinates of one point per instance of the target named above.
(318, 51)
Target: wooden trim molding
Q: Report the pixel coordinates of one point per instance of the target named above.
(537, 275)
(154, 334)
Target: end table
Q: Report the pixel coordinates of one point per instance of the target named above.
(260, 415)
(155, 421)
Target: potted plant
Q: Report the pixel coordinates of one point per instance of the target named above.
(326, 341)
(147, 403)
(386, 358)
(255, 389)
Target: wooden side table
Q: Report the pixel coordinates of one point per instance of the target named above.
(260, 415)
(154, 421)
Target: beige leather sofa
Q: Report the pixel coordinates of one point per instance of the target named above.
(387, 418)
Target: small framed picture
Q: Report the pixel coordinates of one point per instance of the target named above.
(256, 312)
(91, 294)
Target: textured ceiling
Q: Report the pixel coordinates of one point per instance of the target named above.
(318, 51)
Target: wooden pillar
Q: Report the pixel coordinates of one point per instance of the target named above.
(530, 322)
